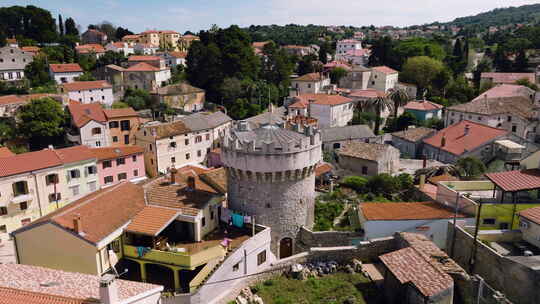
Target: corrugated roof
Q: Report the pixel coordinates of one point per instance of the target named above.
(152, 220)
(405, 211)
(517, 180)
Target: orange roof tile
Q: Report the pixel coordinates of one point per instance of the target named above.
(114, 152)
(178, 54)
(517, 180)
(11, 99)
(26, 162)
(509, 78)
(323, 168)
(21, 296)
(74, 154)
(143, 58)
(5, 152)
(457, 143)
(142, 67)
(384, 69)
(152, 220)
(86, 85)
(368, 93)
(405, 211)
(90, 48)
(310, 77)
(532, 214)
(65, 67)
(323, 99)
(422, 105)
(116, 113)
(31, 49)
(81, 114)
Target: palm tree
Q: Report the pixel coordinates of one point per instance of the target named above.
(400, 97)
(380, 104)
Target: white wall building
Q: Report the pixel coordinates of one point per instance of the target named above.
(12, 63)
(91, 124)
(330, 110)
(120, 47)
(89, 92)
(65, 72)
(383, 78)
(312, 83)
(343, 46)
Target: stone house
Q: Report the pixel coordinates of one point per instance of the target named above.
(116, 164)
(367, 159)
(99, 91)
(505, 78)
(463, 139)
(357, 78)
(312, 83)
(355, 57)
(302, 50)
(144, 72)
(181, 96)
(410, 142)
(409, 88)
(335, 138)
(122, 124)
(383, 78)
(93, 36)
(10, 104)
(13, 60)
(330, 110)
(529, 224)
(145, 49)
(424, 109)
(345, 45)
(92, 49)
(65, 72)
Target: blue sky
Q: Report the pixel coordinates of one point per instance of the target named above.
(183, 15)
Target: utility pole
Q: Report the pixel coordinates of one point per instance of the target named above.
(454, 223)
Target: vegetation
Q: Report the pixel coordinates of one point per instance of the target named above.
(41, 122)
(471, 167)
(325, 213)
(30, 22)
(500, 16)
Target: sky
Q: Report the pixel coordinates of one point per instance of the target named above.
(194, 15)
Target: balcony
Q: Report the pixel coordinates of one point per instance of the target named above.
(182, 259)
(22, 197)
(73, 137)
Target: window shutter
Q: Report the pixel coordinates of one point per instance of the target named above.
(86, 169)
(68, 176)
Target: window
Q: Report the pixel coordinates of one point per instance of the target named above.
(3, 229)
(261, 257)
(18, 75)
(135, 172)
(199, 153)
(151, 161)
(91, 98)
(211, 214)
(120, 161)
(124, 125)
(173, 159)
(91, 170)
(74, 173)
(108, 179)
(337, 145)
(98, 143)
(126, 139)
(122, 176)
(23, 205)
(172, 144)
(3, 210)
(514, 129)
(107, 164)
(364, 170)
(203, 222)
(20, 188)
(115, 138)
(150, 147)
(134, 158)
(74, 190)
(102, 97)
(503, 226)
(488, 221)
(25, 221)
(509, 118)
(53, 197)
(187, 155)
(198, 139)
(51, 179)
(92, 186)
(309, 85)
(186, 142)
(236, 266)
(113, 124)
(207, 136)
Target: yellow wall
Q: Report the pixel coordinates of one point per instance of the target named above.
(50, 246)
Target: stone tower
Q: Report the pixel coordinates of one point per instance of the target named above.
(271, 175)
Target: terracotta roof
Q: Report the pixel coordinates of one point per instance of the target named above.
(337, 64)
(65, 67)
(259, 44)
(323, 168)
(163, 130)
(11, 99)
(363, 150)
(506, 90)
(188, 36)
(442, 178)
(517, 105)
(26, 284)
(532, 214)
(517, 180)
(142, 67)
(99, 217)
(86, 85)
(323, 99)
(510, 78)
(384, 69)
(26, 162)
(367, 93)
(178, 54)
(179, 89)
(405, 211)
(457, 143)
(116, 113)
(74, 154)
(115, 152)
(143, 58)
(423, 105)
(409, 266)
(358, 53)
(152, 220)
(216, 178)
(414, 134)
(6, 152)
(126, 37)
(90, 48)
(309, 77)
(31, 49)
(81, 114)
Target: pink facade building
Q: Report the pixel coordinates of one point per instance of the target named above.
(115, 164)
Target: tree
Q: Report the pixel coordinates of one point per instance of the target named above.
(60, 25)
(3, 38)
(421, 71)
(306, 65)
(485, 65)
(382, 52)
(378, 104)
(401, 123)
(121, 32)
(382, 184)
(323, 52)
(521, 63)
(471, 167)
(108, 29)
(400, 97)
(336, 74)
(138, 99)
(71, 27)
(356, 183)
(501, 61)
(40, 120)
(111, 57)
(277, 66)
(119, 105)
(36, 72)
(527, 83)
(86, 76)
(30, 22)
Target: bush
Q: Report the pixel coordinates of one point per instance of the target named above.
(325, 213)
(357, 183)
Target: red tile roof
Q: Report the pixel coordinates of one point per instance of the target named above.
(517, 180)
(409, 266)
(143, 58)
(74, 154)
(367, 93)
(86, 85)
(384, 69)
(142, 67)
(26, 284)
(358, 53)
(65, 67)
(114, 152)
(506, 90)
(405, 211)
(27, 162)
(5, 152)
(322, 99)
(178, 54)
(337, 64)
(81, 114)
(116, 113)
(323, 168)
(90, 48)
(311, 77)
(423, 105)
(30, 49)
(509, 78)
(457, 143)
(152, 220)
(532, 214)
(11, 99)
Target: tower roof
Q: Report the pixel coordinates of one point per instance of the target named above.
(269, 133)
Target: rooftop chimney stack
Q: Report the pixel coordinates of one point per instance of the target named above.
(173, 175)
(108, 289)
(443, 141)
(467, 129)
(77, 224)
(191, 182)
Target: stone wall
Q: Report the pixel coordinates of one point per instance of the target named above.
(308, 239)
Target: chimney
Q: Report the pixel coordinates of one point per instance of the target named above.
(77, 224)
(424, 161)
(173, 175)
(51, 147)
(443, 141)
(467, 129)
(191, 183)
(422, 181)
(108, 289)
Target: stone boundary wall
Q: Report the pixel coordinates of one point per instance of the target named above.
(308, 239)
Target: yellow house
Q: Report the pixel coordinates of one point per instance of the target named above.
(150, 37)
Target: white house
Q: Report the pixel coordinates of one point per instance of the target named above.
(427, 218)
(343, 46)
(330, 110)
(65, 72)
(174, 59)
(145, 49)
(89, 91)
(312, 83)
(120, 47)
(356, 57)
(383, 78)
(89, 125)
(12, 63)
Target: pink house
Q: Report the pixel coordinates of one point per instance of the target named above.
(115, 164)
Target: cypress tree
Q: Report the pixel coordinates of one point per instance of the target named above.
(60, 25)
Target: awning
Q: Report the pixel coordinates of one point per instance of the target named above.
(152, 220)
(517, 180)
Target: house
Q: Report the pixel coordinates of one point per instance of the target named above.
(12, 63)
(122, 123)
(312, 83)
(185, 141)
(427, 218)
(34, 184)
(491, 79)
(25, 284)
(96, 50)
(175, 59)
(131, 39)
(164, 39)
(343, 46)
(409, 88)
(463, 139)
(368, 159)
(120, 47)
(65, 72)
(186, 41)
(410, 142)
(383, 78)
(330, 65)
(518, 114)
(424, 109)
(301, 50)
(10, 104)
(258, 47)
(356, 57)
(529, 224)
(509, 90)
(330, 110)
(116, 164)
(85, 92)
(181, 96)
(144, 72)
(155, 61)
(31, 49)
(92, 36)
(335, 138)
(145, 49)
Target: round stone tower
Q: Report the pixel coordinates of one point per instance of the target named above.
(271, 175)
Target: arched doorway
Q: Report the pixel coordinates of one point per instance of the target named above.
(285, 248)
